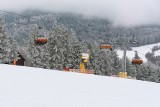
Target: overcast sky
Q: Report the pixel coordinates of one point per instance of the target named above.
(121, 12)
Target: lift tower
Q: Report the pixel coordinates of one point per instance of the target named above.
(124, 42)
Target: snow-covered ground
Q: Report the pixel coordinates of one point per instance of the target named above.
(157, 53)
(142, 50)
(34, 87)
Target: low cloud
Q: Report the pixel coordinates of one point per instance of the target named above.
(120, 12)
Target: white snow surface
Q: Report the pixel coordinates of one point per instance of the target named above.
(35, 87)
(142, 50)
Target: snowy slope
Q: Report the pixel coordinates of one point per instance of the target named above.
(142, 50)
(157, 53)
(33, 87)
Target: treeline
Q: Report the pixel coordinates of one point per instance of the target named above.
(64, 48)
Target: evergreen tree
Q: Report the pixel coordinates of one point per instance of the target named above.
(157, 75)
(116, 64)
(146, 73)
(103, 62)
(37, 54)
(131, 69)
(7, 46)
(64, 48)
(98, 62)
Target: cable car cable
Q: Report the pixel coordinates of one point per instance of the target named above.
(19, 16)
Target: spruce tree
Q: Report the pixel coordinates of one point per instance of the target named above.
(37, 54)
(7, 46)
(64, 48)
(146, 73)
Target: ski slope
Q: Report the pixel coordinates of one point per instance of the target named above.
(142, 50)
(35, 87)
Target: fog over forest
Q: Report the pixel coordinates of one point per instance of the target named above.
(120, 12)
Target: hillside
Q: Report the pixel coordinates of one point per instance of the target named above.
(34, 87)
(142, 50)
(86, 28)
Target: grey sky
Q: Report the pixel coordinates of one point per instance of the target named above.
(121, 12)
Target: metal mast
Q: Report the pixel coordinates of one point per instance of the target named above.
(124, 42)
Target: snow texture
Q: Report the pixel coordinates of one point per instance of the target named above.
(35, 87)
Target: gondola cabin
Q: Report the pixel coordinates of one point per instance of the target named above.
(105, 46)
(40, 40)
(137, 61)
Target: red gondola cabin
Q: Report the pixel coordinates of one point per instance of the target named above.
(137, 61)
(41, 40)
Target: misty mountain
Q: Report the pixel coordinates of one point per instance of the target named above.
(86, 28)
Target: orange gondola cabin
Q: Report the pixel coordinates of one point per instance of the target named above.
(106, 46)
(40, 40)
(137, 61)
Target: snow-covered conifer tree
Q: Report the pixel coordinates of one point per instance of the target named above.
(37, 54)
(64, 48)
(7, 46)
